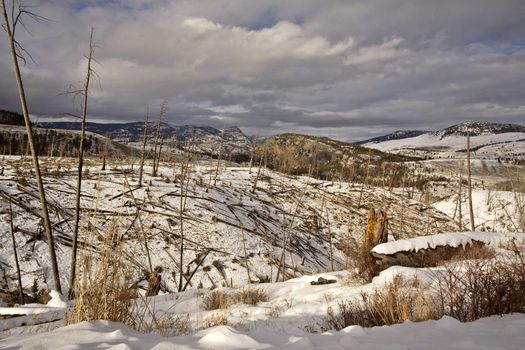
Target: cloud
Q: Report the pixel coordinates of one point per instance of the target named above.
(346, 69)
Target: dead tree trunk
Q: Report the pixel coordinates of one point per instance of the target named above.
(376, 229)
(470, 207)
(144, 141)
(10, 25)
(156, 165)
(218, 160)
(254, 187)
(80, 166)
(105, 154)
(20, 288)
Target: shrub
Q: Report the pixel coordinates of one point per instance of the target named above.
(360, 259)
(478, 288)
(396, 303)
(467, 290)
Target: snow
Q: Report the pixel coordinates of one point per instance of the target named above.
(224, 337)
(57, 302)
(447, 333)
(452, 239)
(493, 210)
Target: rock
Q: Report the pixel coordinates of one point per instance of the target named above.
(321, 281)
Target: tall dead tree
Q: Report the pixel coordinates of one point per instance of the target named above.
(185, 166)
(470, 207)
(11, 21)
(163, 110)
(218, 159)
(144, 141)
(84, 93)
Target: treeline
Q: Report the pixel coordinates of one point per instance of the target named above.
(11, 118)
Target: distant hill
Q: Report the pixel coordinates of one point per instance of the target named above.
(396, 135)
(202, 139)
(488, 140)
(325, 158)
(478, 129)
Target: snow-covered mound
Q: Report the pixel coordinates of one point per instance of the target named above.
(453, 240)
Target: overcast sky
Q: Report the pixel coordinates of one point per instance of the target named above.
(338, 68)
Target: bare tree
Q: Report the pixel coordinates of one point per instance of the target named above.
(11, 21)
(84, 93)
(144, 141)
(470, 207)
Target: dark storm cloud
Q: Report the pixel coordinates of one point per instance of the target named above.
(344, 69)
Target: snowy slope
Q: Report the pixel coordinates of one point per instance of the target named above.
(288, 221)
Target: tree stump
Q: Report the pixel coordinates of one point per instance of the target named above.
(376, 229)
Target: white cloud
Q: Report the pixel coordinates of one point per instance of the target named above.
(272, 65)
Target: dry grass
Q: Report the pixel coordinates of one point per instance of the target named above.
(220, 319)
(215, 300)
(250, 296)
(102, 288)
(173, 325)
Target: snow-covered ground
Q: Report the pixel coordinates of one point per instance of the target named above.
(292, 318)
(493, 333)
